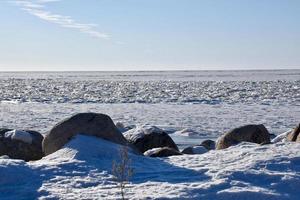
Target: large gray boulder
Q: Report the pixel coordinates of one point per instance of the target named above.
(94, 124)
(249, 133)
(148, 137)
(21, 144)
(162, 152)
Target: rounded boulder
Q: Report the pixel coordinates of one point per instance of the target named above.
(209, 144)
(21, 144)
(148, 137)
(249, 133)
(195, 150)
(93, 124)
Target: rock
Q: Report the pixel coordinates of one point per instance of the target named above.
(148, 137)
(162, 152)
(195, 150)
(209, 144)
(21, 144)
(94, 124)
(294, 136)
(272, 136)
(249, 133)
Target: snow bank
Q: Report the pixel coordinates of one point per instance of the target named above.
(19, 135)
(281, 137)
(82, 170)
(142, 130)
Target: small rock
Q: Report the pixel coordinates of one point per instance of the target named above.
(162, 152)
(21, 144)
(209, 144)
(148, 137)
(195, 150)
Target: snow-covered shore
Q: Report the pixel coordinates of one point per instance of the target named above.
(206, 121)
(82, 170)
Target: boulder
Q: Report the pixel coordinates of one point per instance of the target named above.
(294, 135)
(195, 150)
(209, 144)
(93, 124)
(21, 144)
(162, 152)
(272, 136)
(148, 137)
(249, 133)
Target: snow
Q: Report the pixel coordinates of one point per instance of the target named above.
(190, 87)
(151, 151)
(82, 170)
(187, 132)
(19, 135)
(140, 131)
(281, 137)
(205, 102)
(210, 120)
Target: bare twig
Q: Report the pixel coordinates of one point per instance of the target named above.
(122, 170)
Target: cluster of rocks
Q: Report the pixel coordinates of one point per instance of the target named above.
(148, 140)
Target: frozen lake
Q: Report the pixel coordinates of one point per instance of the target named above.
(208, 102)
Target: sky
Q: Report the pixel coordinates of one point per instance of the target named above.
(72, 35)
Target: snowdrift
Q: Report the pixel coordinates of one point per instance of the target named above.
(82, 170)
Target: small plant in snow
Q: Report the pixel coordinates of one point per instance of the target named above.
(122, 170)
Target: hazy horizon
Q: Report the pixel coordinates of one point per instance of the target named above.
(132, 35)
(165, 70)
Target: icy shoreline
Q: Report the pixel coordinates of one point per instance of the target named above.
(207, 121)
(78, 171)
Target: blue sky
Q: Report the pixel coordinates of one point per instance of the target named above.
(149, 34)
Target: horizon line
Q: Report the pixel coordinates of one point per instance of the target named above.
(167, 70)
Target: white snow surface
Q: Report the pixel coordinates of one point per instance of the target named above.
(142, 130)
(187, 132)
(281, 137)
(82, 170)
(19, 135)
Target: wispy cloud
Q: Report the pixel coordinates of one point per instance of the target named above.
(38, 8)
